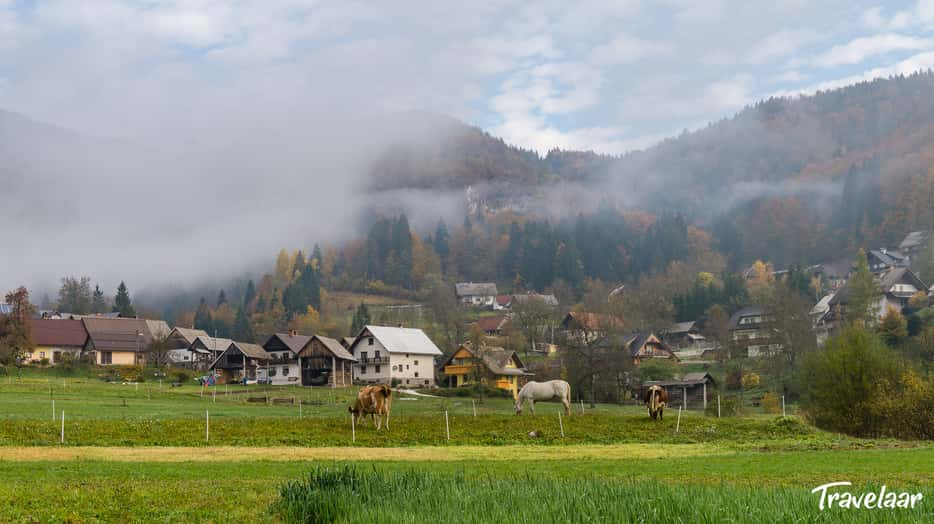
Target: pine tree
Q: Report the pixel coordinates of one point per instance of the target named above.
(317, 257)
(122, 302)
(249, 295)
(203, 318)
(221, 298)
(442, 244)
(242, 329)
(863, 293)
(361, 318)
(98, 304)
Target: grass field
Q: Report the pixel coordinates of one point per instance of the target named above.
(139, 454)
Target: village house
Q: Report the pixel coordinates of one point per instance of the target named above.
(882, 260)
(586, 326)
(54, 339)
(751, 333)
(394, 354)
(646, 345)
(180, 339)
(684, 335)
(481, 294)
(204, 350)
(548, 300)
(120, 341)
(492, 326)
(896, 287)
(240, 362)
(492, 366)
(283, 349)
(325, 362)
(502, 302)
(914, 243)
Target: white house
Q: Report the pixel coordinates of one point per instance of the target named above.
(283, 364)
(481, 294)
(386, 354)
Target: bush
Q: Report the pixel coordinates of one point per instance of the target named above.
(905, 408)
(751, 380)
(842, 381)
(734, 377)
(657, 369)
(730, 406)
(771, 403)
(44, 361)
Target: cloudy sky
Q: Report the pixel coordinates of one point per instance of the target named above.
(247, 112)
(602, 75)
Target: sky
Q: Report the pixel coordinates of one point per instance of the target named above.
(258, 89)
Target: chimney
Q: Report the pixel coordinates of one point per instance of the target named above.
(293, 333)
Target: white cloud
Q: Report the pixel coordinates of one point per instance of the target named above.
(780, 44)
(625, 49)
(859, 49)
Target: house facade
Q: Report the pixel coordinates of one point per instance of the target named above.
(241, 362)
(204, 350)
(492, 366)
(751, 333)
(646, 345)
(54, 339)
(479, 294)
(117, 341)
(325, 362)
(283, 349)
(387, 354)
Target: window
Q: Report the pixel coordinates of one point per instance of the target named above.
(406, 366)
(363, 356)
(426, 382)
(416, 362)
(376, 356)
(272, 372)
(56, 356)
(416, 374)
(107, 357)
(285, 371)
(369, 341)
(363, 370)
(377, 369)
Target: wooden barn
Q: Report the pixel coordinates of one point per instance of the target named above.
(241, 361)
(325, 362)
(693, 390)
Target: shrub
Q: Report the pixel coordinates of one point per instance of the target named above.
(44, 361)
(734, 377)
(657, 369)
(771, 403)
(905, 408)
(730, 406)
(751, 380)
(842, 380)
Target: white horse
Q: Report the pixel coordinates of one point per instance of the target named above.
(533, 391)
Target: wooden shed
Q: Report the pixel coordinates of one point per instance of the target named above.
(693, 390)
(325, 362)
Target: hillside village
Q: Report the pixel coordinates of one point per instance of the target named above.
(506, 339)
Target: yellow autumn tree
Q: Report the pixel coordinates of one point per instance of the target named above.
(283, 268)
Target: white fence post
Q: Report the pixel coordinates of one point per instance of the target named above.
(474, 403)
(207, 426)
(718, 406)
(561, 424)
(63, 426)
(783, 405)
(678, 425)
(53, 410)
(582, 405)
(353, 428)
(447, 425)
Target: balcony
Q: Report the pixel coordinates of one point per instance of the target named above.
(462, 369)
(372, 360)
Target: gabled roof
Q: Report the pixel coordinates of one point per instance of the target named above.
(295, 343)
(347, 341)
(495, 359)
(118, 334)
(400, 340)
(748, 311)
(475, 289)
(822, 306)
(158, 328)
(635, 341)
(913, 240)
(333, 346)
(548, 300)
(189, 334)
(589, 321)
(59, 333)
(251, 350)
(900, 275)
(211, 343)
(681, 328)
(504, 300)
(491, 323)
(889, 258)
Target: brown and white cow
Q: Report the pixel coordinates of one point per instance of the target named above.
(656, 398)
(375, 401)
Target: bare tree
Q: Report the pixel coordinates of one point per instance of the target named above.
(158, 351)
(534, 319)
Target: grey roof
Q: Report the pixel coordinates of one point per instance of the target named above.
(889, 258)
(495, 359)
(680, 327)
(913, 240)
(158, 328)
(250, 350)
(190, 334)
(635, 341)
(211, 343)
(295, 343)
(548, 300)
(823, 305)
(900, 275)
(689, 379)
(334, 347)
(401, 340)
(118, 334)
(748, 311)
(475, 289)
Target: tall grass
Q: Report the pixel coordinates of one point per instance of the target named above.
(347, 495)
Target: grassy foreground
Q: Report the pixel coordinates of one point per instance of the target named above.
(136, 489)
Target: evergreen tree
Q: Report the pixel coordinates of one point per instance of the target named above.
(98, 303)
(203, 318)
(122, 302)
(75, 295)
(863, 293)
(249, 295)
(361, 318)
(299, 265)
(242, 329)
(442, 244)
(317, 256)
(221, 298)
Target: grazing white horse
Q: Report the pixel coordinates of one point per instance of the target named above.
(533, 391)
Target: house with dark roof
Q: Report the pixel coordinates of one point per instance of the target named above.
(751, 332)
(394, 354)
(283, 349)
(325, 362)
(492, 366)
(548, 300)
(117, 341)
(882, 260)
(240, 362)
(204, 350)
(914, 243)
(689, 390)
(684, 335)
(646, 345)
(54, 339)
(180, 339)
(896, 287)
(477, 294)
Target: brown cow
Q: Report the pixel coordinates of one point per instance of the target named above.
(656, 397)
(375, 401)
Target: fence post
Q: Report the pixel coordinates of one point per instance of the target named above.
(447, 425)
(582, 404)
(474, 403)
(53, 410)
(207, 426)
(718, 406)
(678, 425)
(214, 394)
(561, 424)
(353, 429)
(63, 426)
(783, 405)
